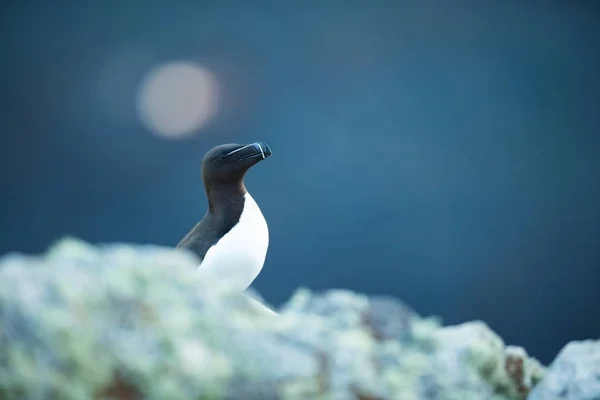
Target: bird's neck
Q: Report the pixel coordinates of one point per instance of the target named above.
(223, 197)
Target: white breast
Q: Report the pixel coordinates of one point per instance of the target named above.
(240, 254)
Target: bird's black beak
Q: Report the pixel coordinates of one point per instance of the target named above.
(262, 148)
(256, 150)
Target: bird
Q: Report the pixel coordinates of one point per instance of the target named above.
(232, 238)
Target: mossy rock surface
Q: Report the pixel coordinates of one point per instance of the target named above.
(137, 322)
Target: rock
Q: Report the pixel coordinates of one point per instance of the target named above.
(133, 322)
(496, 370)
(83, 322)
(574, 374)
(389, 318)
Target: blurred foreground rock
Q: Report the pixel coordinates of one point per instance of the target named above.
(136, 322)
(574, 374)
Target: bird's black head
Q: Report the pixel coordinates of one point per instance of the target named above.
(228, 163)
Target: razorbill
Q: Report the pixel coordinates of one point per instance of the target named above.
(232, 238)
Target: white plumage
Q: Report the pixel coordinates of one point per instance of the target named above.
(239, 255)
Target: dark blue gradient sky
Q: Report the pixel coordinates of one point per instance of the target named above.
(444, 154)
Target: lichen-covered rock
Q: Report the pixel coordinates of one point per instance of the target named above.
(83, 322)
(574, 374)
(496, 370)
(133, 322)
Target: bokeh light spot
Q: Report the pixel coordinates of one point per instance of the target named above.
(177, 99)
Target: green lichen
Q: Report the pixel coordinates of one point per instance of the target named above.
(125, 321)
